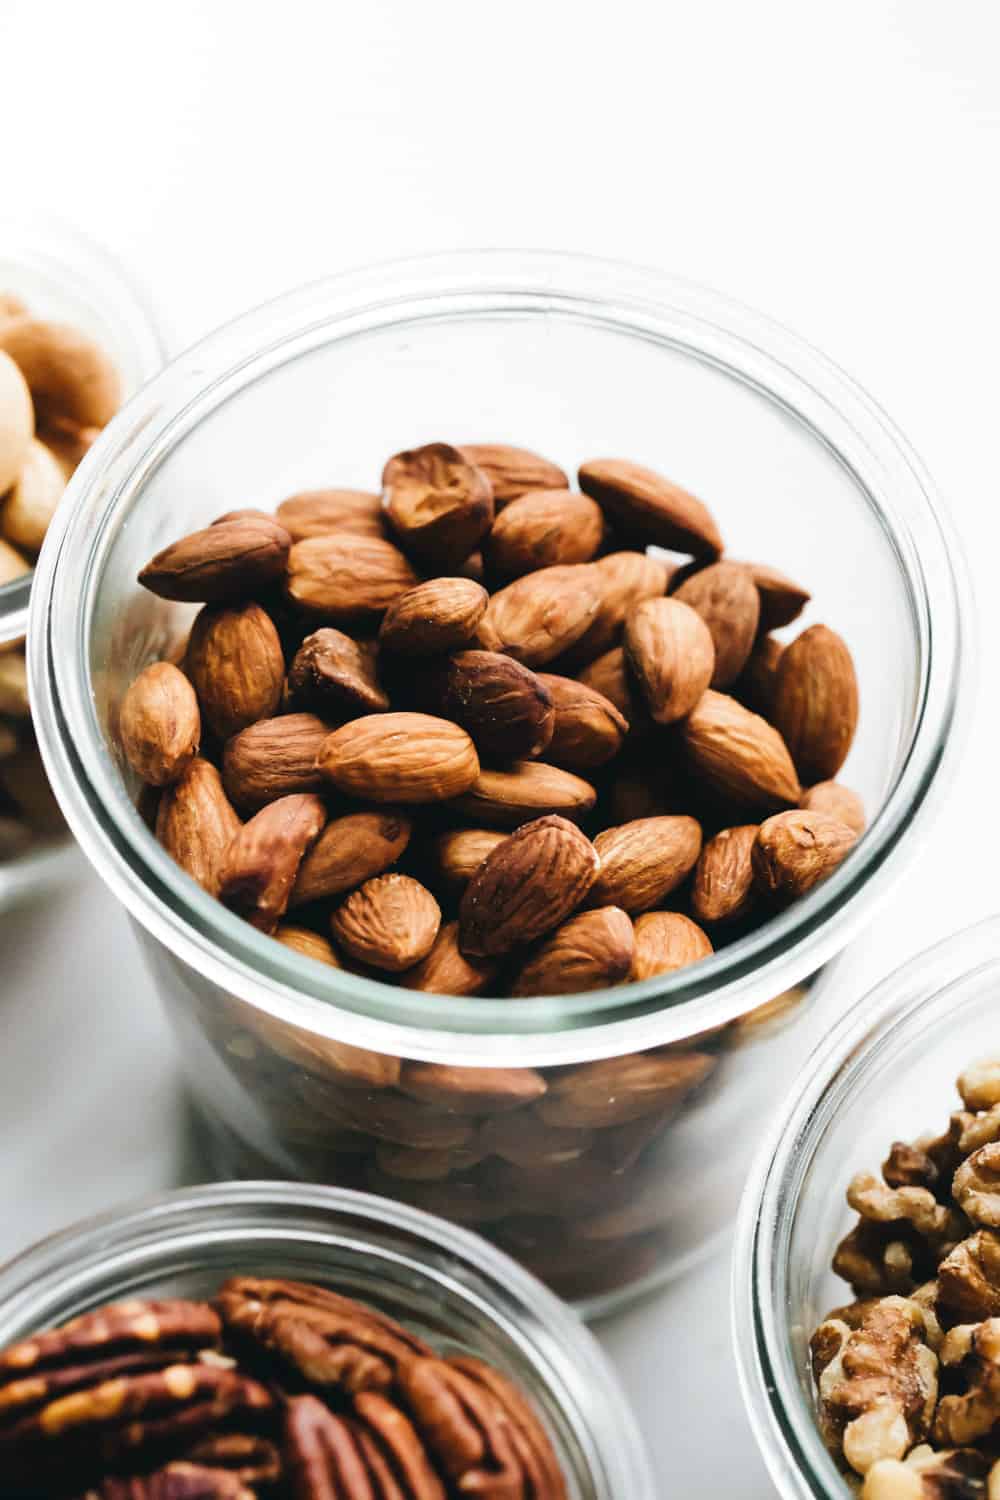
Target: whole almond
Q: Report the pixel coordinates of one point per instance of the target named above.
(221, 564)
(526, 789)
(159, 724)
(541, 615)
(725, 596)
(589, 952)
(458, 854)
(437, 616)
(618, 1090)
(837, 800)
(318, 512)
(670, 651)
(334, 675)
(471, 1091)
(526, 887)
(500, 703)
(782, 600)
(609, 675)
(513, 471)
(437, 503)
(645, 507)
(723, 889)
(259, 867)
(757, 684)
(816, 702)
(389, 923)
(625, 579)
(349, 851)
(245, 513)
(400, 757)
(196, 823)
(541, 529)
(794, 851)
(447, 971)
(738, 755)
(274, 758)
(588, 729)
(235, 661)
(345, 579)
(642, 862)
(310, 944)
(665, 941)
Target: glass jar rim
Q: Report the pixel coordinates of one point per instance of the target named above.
(786, 1431)
(645, 304)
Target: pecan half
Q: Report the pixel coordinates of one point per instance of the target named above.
(180, 1481)
(467, 1430)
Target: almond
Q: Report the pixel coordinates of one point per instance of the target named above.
(816, 702)
(235, 661)
(589, 952)
(400, 757)
(725, 597)
(794, 851)
(588, 729)
(541, 615)
(318, 512)
(500, 703)
(274, 758)
(310, 944)
(526, 887)
(837, 800)
(437, 616)
(541, 529)
(447, 971)
(347, 579)
(513, 471)
(738, 755)
(781, 599)
(617, 1090)
(458, 854)
(757, 684)
(471, 1091)
(223, 563)
(196, 823)
(645, 507)
(349, 851)
(723, 889)
(670, 651)
(159, 724)
(260, 865)
(526, 789)
(665, 941)
(609, 675)
(390, 923)
(643, 861)
(245, 513)
(524, 1140)
(437, 503)
(625, 579)
(335, 675)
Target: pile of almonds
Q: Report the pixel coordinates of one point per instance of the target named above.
(57, 390)
(468, 736)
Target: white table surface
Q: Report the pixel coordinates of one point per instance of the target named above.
(835, 166)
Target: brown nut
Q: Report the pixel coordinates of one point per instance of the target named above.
(159, 724)
(723, 889)
(610, 676)
(458, 854)
(625, 578)
(794, 851)
(782, 600)
(390, 923)
(538, 617)
(757, 685)
(69, 376)
(14, 700)
(196, 823)
(643, 861)
(274, 758)
(591, 951)
(440, 615)
(540, 529)
(816, 702)
(526, 887)
(310, 944)
(669, 650)
(471, 1091)
(527, 789)
(30, 504)
(969, 1279)
(617, 1090)
(588, 730)
(177, 1481)
(447, 971)
(738, 755)
(725, 597)
(334, 675)
(12, 563)
(979, 1084)
(343, 579)
(956, 1474)
(318, 512)
(235, 661)
(437, 503)
(644, 507)
(837, 802)
(467, 1430)
(17, 423)
(974, 1357)
(221, 564)
(513, 471)
(349, 851)
(665, 941)
(400, 757)
(547, 1479)
(260, 865)
(503, 705)
(69, 444)
(976, 1186)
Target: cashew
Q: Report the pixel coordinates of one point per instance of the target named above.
(17, 419)
(69, 444)
(69, 377)
(11, 307)
(12, 564)
(29, 507)
(14, 686)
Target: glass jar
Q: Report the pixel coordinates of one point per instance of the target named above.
(602, 1137)
(61, 276)
(887, 1072)
(444, 1284)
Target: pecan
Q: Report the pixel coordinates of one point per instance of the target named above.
(393, 1446)
(471, 1433)
(253, 1459)
(546, 1479)
(179, 1481)
(334, 1458)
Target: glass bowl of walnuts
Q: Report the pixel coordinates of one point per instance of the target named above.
(496, 685)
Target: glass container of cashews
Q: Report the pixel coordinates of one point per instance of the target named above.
(75, 341)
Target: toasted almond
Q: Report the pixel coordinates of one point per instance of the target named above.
(235, 661)
(670, 651)
(665, 941)
(335, 675)
(837, 800)
(618, 1090)
(414, 1165)
(609, 675)
(589, 952)
(816, 702)
(526, 887)
(345, 579)
(645, 507)
(588, 729)
(196, 823)
(541, 529)
(782, 600)
(757, 685)
(513, 471)
(725, 596)
(310, 944)
(220, 564)
(739, 755)
(500, 703)
(625, 578)
(723, 889)
(318, 512)
(390, 923)
(541, 615)
(524, 1140)
(349, 851)
(471, 1091)
(437, 503)
(458, 854)
(526, 789)
(400, 757)
(794, 851)
(260, 865)
(642, 862)
(447, 971)
(159, 724)
(440, 615)
(274, 758)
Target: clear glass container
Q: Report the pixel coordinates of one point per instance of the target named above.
(887, 1072)
(443, 1283)
(62, 276)
(661, 1087)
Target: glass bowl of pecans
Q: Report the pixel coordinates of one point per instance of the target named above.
(265, 1339)
(75, 339)
(484, 816)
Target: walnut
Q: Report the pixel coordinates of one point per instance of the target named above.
(969, 1279)
(944, 1150)
(935, 1222)
(981, 1130)
(979, 1085)
(909, 1166)
(977, 1186)
(877, 1259)
(957, 1474)
(971, 1352)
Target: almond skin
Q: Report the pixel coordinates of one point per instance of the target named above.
(541, 529)
(438, 616)
(458, 854)
(838, 801)
(334, 675)
(346, 579)
(643, 861)
(196, 823)
(670, 652)
(619, 1090)
(500, 703)
(723, 889)
(665, 941)
(447, 971)
(318, 512)
(513, 471)
(739, 755)
(389, 923)
(782, 600)
(645, 507)
(725, 596)
(438, 505)
(159, 724)
(235, 661)
(526, 789)
(526, 887)
(400, 757)
(541, 615)
(816, 702)
(589, 952)
(470, 1091)
(349, 851)
(610, 676)
(588, 729)
(310, 944)
(757, 685)
(260, 865)
(223, 563)
(794, 851)
(625, 579)
(274, 758)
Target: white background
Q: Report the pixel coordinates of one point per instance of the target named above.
(835, 165)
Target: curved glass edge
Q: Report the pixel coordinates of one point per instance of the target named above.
(361, 1010)
(783, 1425)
